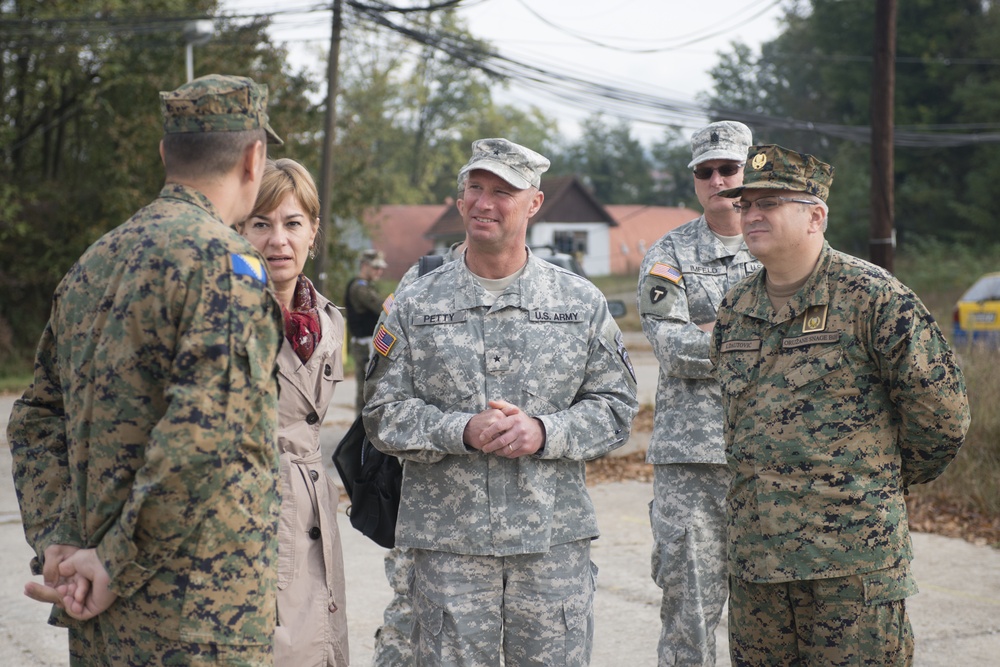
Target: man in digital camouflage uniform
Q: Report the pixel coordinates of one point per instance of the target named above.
(681, 284)
(364, 305)
(495, 378)
(839, 392)
(144, 455)
(392, 638)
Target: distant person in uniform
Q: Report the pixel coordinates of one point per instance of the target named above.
(312, 611)
(364, 305)
(681, 284)
(143, 452)
(839, 393)
(495, 378)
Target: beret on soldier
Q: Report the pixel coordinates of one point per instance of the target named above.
(771, 167)
(217, 103)
(519, 166)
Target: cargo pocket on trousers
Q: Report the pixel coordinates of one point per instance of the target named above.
(428, 617)
(889, 585)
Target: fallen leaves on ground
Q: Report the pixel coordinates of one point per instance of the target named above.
(927, 513)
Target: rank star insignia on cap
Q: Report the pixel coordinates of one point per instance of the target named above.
(217, 103)
(772, 167)
(519, 166)
(724, 140)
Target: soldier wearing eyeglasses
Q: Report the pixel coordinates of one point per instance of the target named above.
(839, 392)
(681, 284)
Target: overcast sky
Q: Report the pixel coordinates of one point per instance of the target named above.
(659, 47)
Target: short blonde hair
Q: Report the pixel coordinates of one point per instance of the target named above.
(281, 178)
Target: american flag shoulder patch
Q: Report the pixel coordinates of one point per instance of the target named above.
(248, 265)
(383, 341)
(666, 271)
(387, 304)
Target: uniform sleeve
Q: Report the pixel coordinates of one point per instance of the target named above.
(222, 365)
(925, 385)
(37, 436)
(364, 297)
(600, 419)
(396, 421)
(680, 347)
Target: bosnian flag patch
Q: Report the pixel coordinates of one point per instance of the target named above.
(383, 341)
(248, 265)
(666, 271)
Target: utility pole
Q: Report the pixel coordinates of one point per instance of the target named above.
(320, 266)
(882, 243)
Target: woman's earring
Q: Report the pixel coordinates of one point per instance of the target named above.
(312, 252)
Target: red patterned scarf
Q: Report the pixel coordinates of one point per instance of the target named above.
(302, 327)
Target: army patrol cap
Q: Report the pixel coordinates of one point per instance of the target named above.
(374, 258)
(724, 140)
(519, 166)
(771, 167)
(217, 103)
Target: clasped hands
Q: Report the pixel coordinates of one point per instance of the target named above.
(503, 429)
(75, 580)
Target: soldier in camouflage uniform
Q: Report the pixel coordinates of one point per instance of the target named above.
(495, 379)
(392, 638)
(363, 304)
(839, 392)
(681, 284)
(144, 454)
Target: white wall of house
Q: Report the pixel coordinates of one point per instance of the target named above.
(596, 259)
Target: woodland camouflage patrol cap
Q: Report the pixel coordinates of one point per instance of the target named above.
(519, 166)
(771, 167)
(217, 103)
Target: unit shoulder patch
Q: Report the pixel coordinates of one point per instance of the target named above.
(248, 265)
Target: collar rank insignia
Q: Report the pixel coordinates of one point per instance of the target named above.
(248, 265)
(814, 319)
(666, 271)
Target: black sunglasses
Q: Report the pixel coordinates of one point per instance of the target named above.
(726, 170)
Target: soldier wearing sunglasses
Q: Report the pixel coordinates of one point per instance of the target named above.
(681, 284)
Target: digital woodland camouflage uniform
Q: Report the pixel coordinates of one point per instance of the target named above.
(148, 432)
(392, 639)
(833, 407)
(681, 284)
(548, 345)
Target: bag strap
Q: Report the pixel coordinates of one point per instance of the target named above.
(428, 263)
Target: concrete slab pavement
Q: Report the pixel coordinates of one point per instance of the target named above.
(956, 616)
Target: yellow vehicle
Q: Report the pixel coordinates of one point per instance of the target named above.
(977, 313)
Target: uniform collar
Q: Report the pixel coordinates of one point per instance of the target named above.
(754, 302)
(190, 195)
(710, 248)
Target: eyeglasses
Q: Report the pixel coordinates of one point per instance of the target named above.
(704, 172)
(768, 204)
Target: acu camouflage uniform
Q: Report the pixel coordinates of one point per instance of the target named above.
(683, 279)
(833, 407)
(548, 345)
(148, 433)
(392, 639)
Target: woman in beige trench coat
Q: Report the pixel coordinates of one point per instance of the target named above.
(312, 613)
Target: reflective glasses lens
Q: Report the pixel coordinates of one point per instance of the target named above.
(726, 170)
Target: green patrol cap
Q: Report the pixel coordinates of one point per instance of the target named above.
(771, 167)
(217, 103)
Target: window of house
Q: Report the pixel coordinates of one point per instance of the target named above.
(570, 242)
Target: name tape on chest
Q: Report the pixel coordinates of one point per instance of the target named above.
(666, 271)
(741, 345)
(425, 319)
(248, 265)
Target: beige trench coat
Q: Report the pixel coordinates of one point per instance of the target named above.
(312, 611)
